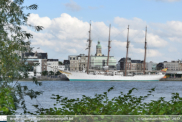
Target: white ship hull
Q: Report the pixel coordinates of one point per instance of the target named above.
(81, 76)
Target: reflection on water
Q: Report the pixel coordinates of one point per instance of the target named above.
(75, 89)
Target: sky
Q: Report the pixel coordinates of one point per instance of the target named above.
(66, 26)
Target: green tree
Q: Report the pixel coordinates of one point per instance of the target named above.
(123, 104)
(51, 73)
(12, 66)
(57, 73)
(44, 73)
(60, 63)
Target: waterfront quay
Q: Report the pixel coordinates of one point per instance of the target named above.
(48, 78)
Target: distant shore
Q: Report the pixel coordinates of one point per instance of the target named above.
(48, 78)
(171, 79)
(53, 78)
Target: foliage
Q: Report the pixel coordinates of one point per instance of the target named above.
(124, 104)
(57, 73)
(6, 101)
(60, 63)
(45, 73)
(51, 73)
(12, 66)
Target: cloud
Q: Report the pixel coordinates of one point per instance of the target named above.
(135, 23)
(170, 30)
(137, 32)
(67, 35)
(63, 34)
(34, 19)
(73, 6)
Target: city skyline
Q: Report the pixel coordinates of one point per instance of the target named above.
(66, 26)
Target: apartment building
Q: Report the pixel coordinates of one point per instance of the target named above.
(78, 62)
(36, 55)
(173, 65)
(122, 63)
(52, 65)
(66, 64)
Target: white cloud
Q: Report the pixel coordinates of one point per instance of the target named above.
(172, 49)
(34, 19)
(135, 23)
(137, 32)
(73, 6)
(67, 35)
(170, 30)
(155, 41)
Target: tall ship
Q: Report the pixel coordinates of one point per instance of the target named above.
(112, 75)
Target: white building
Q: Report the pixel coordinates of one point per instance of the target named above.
(62, 67)
(52, 65)
(40, 58)
(151, 66)
(173, 65)
(36, 70)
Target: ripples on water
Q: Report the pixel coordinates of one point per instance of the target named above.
(75, 89)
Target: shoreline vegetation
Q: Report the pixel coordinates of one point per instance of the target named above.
(124, 104)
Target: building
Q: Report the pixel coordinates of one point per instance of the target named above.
(118, 66)
(52, 65)
(66, 64)
(98, 49)
(73, 62)
(173, 65)
(61, 67)
(82, 62)
(160, 66)
(151, 66)
(98, 62)
(42, 56)
(78, 62)
(122, 63)
(142, 66)
(136, 65)
(35, 70)
(32, 58)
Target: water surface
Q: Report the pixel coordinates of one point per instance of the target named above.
(75, 89)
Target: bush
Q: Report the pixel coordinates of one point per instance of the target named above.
(124, 104)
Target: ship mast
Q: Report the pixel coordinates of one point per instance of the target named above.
(89, 45)
(145, 50)
(127, 46)
(109, 41)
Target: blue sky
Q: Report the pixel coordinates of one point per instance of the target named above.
(66, 25)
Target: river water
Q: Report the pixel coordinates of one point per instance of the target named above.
(75, 89)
